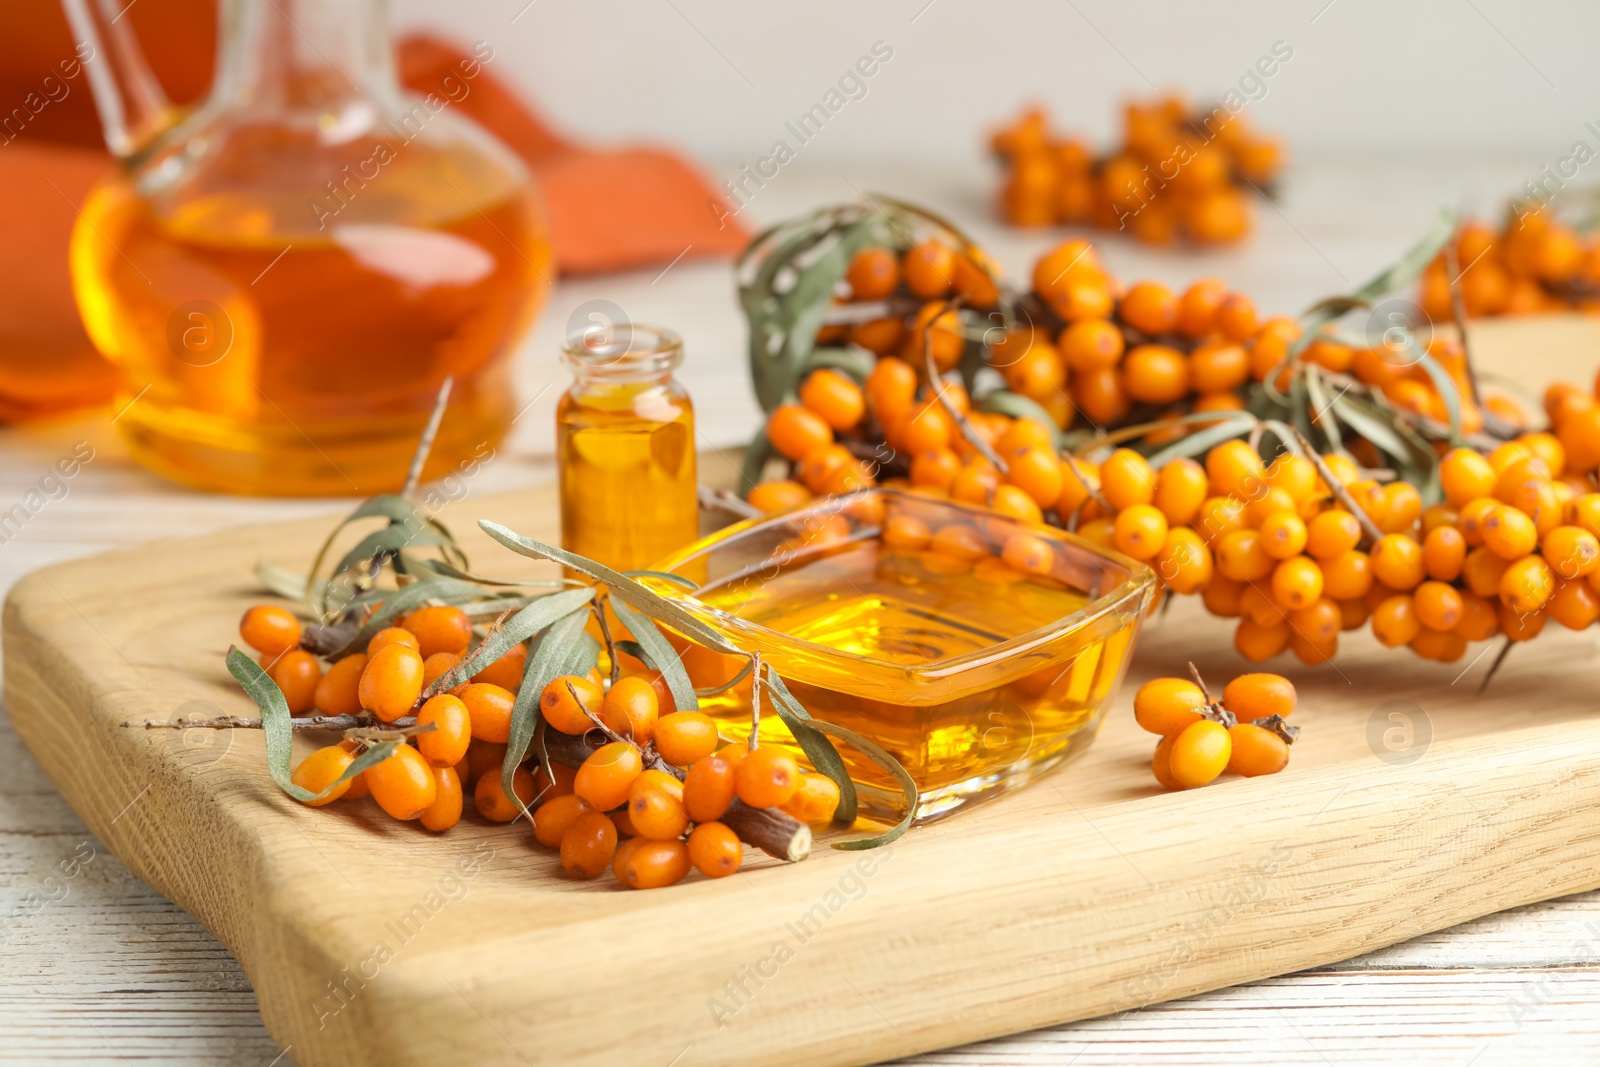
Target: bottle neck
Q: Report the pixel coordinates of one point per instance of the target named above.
(625, 355)
(305, 55)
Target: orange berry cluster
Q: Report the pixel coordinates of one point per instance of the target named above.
(426, 778)
(1534, 263)
(648, 803)
(1176, 174)
(1244, 733)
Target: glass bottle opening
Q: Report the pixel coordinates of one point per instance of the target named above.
(621, 353)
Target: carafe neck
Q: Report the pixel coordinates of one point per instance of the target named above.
(304, 55)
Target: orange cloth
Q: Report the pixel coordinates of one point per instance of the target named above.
(610, 209)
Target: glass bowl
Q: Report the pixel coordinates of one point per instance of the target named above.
(978, 649)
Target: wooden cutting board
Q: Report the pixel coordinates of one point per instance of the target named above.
(1411, 804)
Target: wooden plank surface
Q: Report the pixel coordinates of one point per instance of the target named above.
(1095, 893)
(113, 973)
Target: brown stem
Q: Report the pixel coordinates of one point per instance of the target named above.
(605, 634)
(306, 722)
(1342, 494)
(775, 832)
(722, 500)
(1194, 672)
(419, 459)
(963, 424)
(1093, 489)
(598, 724)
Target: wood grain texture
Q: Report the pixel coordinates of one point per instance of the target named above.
(1096, 893)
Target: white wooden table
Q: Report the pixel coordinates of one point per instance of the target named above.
(95, 967)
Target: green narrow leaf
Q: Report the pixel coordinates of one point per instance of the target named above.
(621, 586)
(754, 461)
(279, 734)
(873, 752)
(661, 656)
(1325, 420)
(398, 602)
(815, 744)
(666, 576)
(1413, 261)
(857, 363)
(1203, 440)
(281, 580)
(517, 629)
(391, 538)
(560, 651)
(1446, 387)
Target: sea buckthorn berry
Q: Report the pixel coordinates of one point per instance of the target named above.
(1221, 596)
(1126, 479)
(773, 497)
(1009, 500)
(873, 274)
(631, 709)
(1100, 395)
(937, 468)
(392, 635)
(766, 778)
(320, 770)
(564, 713)
(1509, 533)
(439, 628)
(1168, 705)
(438, 665)
(1296, 583)
(1436, 516)
(833, 396)
(1439, 645)
(298, 674)
(816, 800)
(930, 269)
(1397, 561)
(506, 672)
(1571, 551)
(269, 629)
(404, 784)
(1075, 485)
(1029, 554)
(1471, 518)
(391, 681)
(1402, 506)
(1199, 753)
(1037, 472)
(1574, 604)
(1256, 696)
(1353, 613)
(891, 389)
(1482, 569)
(489, 794)
(906, 532)
(1521, 626)
(1180, 490)
(1395, 622)
(1267, 501)
(1259, 643)
(589, 844)
(959, 541)
(708, 788)
(655, 806)
(338, 690)
(655, 864)
(1547, 447)
(1241, 557)
(1332, 533)
(1090, 345)
(1235, 469)
(1527, 585)
(1218, 517)
(880, 336)
(796, 432)
(927, 428)
(1295, 475)
(446, 744)
(1184, 562)
(445, 811)
(1255, 751)
(606, 775)
(1585, 512)
(1438, 606)
(489, 708)
(1149, 307)
(1197, 308)
(483, 756)
(1156, 374)
(936, 328)
(1579, 434)
(1319, 622)
(1217, 367)
(1347, 575)
(976, 483)
(553, 818)
(1140, 531)
(1443, 552)
(1102, 532)
(1283, 535)
(715, 850)
(685, 737)
(1480, 618)
(1259, 605)
(1161, 764)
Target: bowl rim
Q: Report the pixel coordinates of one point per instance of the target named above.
(1141, 579)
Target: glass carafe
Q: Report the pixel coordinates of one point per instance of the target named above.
(287, 275)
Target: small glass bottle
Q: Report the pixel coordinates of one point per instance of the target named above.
(625, 447)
